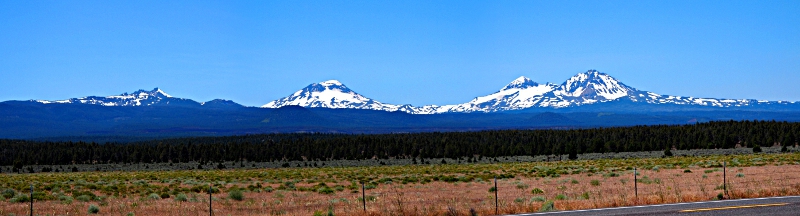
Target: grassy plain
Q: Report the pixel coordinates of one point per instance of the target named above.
(437, 189)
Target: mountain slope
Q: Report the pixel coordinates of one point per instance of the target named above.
(522, 92)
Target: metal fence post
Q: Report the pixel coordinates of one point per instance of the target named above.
(496, 211)
(724, 178)
(31, 199)
(635, 185)
(363, 196)
(210, 210)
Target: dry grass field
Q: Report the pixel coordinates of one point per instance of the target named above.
(406, 190)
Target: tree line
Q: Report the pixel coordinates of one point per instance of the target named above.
(322, 146)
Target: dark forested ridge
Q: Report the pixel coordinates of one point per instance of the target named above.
(318, 146)
(53, 122)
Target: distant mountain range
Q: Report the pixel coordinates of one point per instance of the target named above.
(589, 99)
(155, 97)
(590, 87)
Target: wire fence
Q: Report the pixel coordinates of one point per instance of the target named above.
(476, 197)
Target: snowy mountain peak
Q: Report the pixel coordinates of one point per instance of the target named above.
(331, 83)
(328, 94)
(593, 85)
(156, 92)
(520, 83)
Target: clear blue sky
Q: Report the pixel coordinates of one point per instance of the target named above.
(402, 52)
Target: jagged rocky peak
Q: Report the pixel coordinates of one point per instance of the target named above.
(593, 84)
(143, 93)
(520, 83)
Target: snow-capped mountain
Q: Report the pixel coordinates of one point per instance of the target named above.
(589, 87)
(334, 94)
(155, 97)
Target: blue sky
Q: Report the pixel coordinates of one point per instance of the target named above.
(402, 52)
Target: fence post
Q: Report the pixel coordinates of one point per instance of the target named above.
(363, 196)
(31, 199)
(724, 178)
(635, 184)
(210, 210)
(496, 211)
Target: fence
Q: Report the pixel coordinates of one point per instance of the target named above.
(612, 188)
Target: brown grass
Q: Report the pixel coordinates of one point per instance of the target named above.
(438, 198)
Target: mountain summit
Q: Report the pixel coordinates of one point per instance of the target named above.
(593, 85)
(332, 94)
(520, 83)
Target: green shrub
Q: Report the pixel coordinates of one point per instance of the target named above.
(89, 194)
(181, 197)
(93, 209)
(538, 199)
(38, 195)
(756, 149)
(740, 175)
(547, 206)
(236, 195)
(20, 198)
(687, 171)
(561, 197)
(595, 182)
(83, 198)
(537, 191)
(8, 193)
(153, 196)
(325, 190)
(492, 189)
(65, 199)
(519, 200)
(164, 195)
